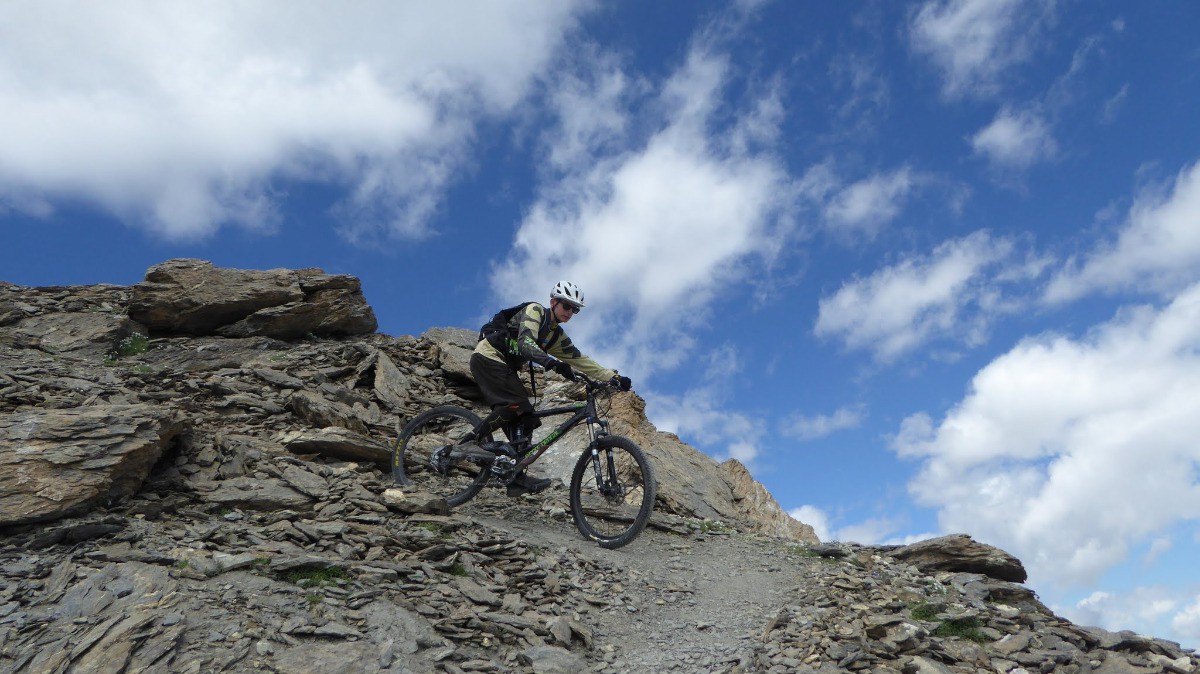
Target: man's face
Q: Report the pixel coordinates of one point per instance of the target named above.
(563, 310)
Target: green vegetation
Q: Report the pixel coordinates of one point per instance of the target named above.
(802, 550)
(962, 628)
(435, 529)
(926, 612)
(316, 577)
(133, 345)
(712, 527)
(458, 570)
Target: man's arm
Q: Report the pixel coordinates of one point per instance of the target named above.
(527, 334)
(564, 350)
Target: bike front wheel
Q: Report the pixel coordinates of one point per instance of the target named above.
(427, 455)
(612, 492)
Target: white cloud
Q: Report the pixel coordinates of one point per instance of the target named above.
(1158, 249)
(745, 452)
(866, 206)
(662, 224)
(1113, 106)
(860, 78)
(699, 415)
(868, 532)
(1138, 609)
(702, 419)
(591, 110)
(1015, 139)
(1186, 623)
(179, 117)
(818, 182)
(815, 518)
(973, 42)
(919, 299)
(1158, 547)
(804, 427)
(1068, 452)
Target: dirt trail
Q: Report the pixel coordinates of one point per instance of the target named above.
(688, 603)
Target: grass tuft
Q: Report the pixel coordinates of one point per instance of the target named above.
(317, 577)
(926, 612)
(963, 628)
(133, 345)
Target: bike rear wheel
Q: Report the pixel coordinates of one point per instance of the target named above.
(612, 492)
(427, 455)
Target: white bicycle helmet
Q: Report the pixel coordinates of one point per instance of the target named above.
(568, 292)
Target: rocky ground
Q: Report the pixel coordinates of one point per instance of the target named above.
(193, 478)
(507, 585)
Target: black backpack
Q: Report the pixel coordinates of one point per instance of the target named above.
(498, 326)
(497, 329)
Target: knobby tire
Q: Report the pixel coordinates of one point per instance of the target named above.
(615, 519)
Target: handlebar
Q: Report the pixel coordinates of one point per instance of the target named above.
(594, 383)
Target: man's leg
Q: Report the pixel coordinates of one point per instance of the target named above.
(503, 390)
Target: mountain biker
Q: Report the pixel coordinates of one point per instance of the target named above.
(533, 334)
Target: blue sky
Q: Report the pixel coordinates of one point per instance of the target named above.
(924, 267)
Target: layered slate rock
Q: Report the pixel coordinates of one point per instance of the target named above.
(193, 297)
(872, 612)
(57, 463)
(755, 503)
(454, 349)
(77, 320)
(960, 552)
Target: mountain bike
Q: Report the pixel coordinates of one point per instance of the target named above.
(612, 487)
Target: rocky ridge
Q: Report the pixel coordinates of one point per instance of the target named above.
(193, 479)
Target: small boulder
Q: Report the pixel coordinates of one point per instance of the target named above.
(961, 553)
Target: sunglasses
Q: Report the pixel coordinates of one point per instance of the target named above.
(569, 307)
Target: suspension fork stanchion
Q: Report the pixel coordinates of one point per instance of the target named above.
(612, 468)
(597, 467)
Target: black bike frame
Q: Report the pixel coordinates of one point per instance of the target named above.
(585, 411)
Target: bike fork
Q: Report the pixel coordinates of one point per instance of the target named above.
(605, 480)
(600, 481)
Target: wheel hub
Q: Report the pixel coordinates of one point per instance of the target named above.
(439, 460)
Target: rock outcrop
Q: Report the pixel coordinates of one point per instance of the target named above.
(84, 320)
(960, 553)
(192, 297)
(64, 462)
(193, 478)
